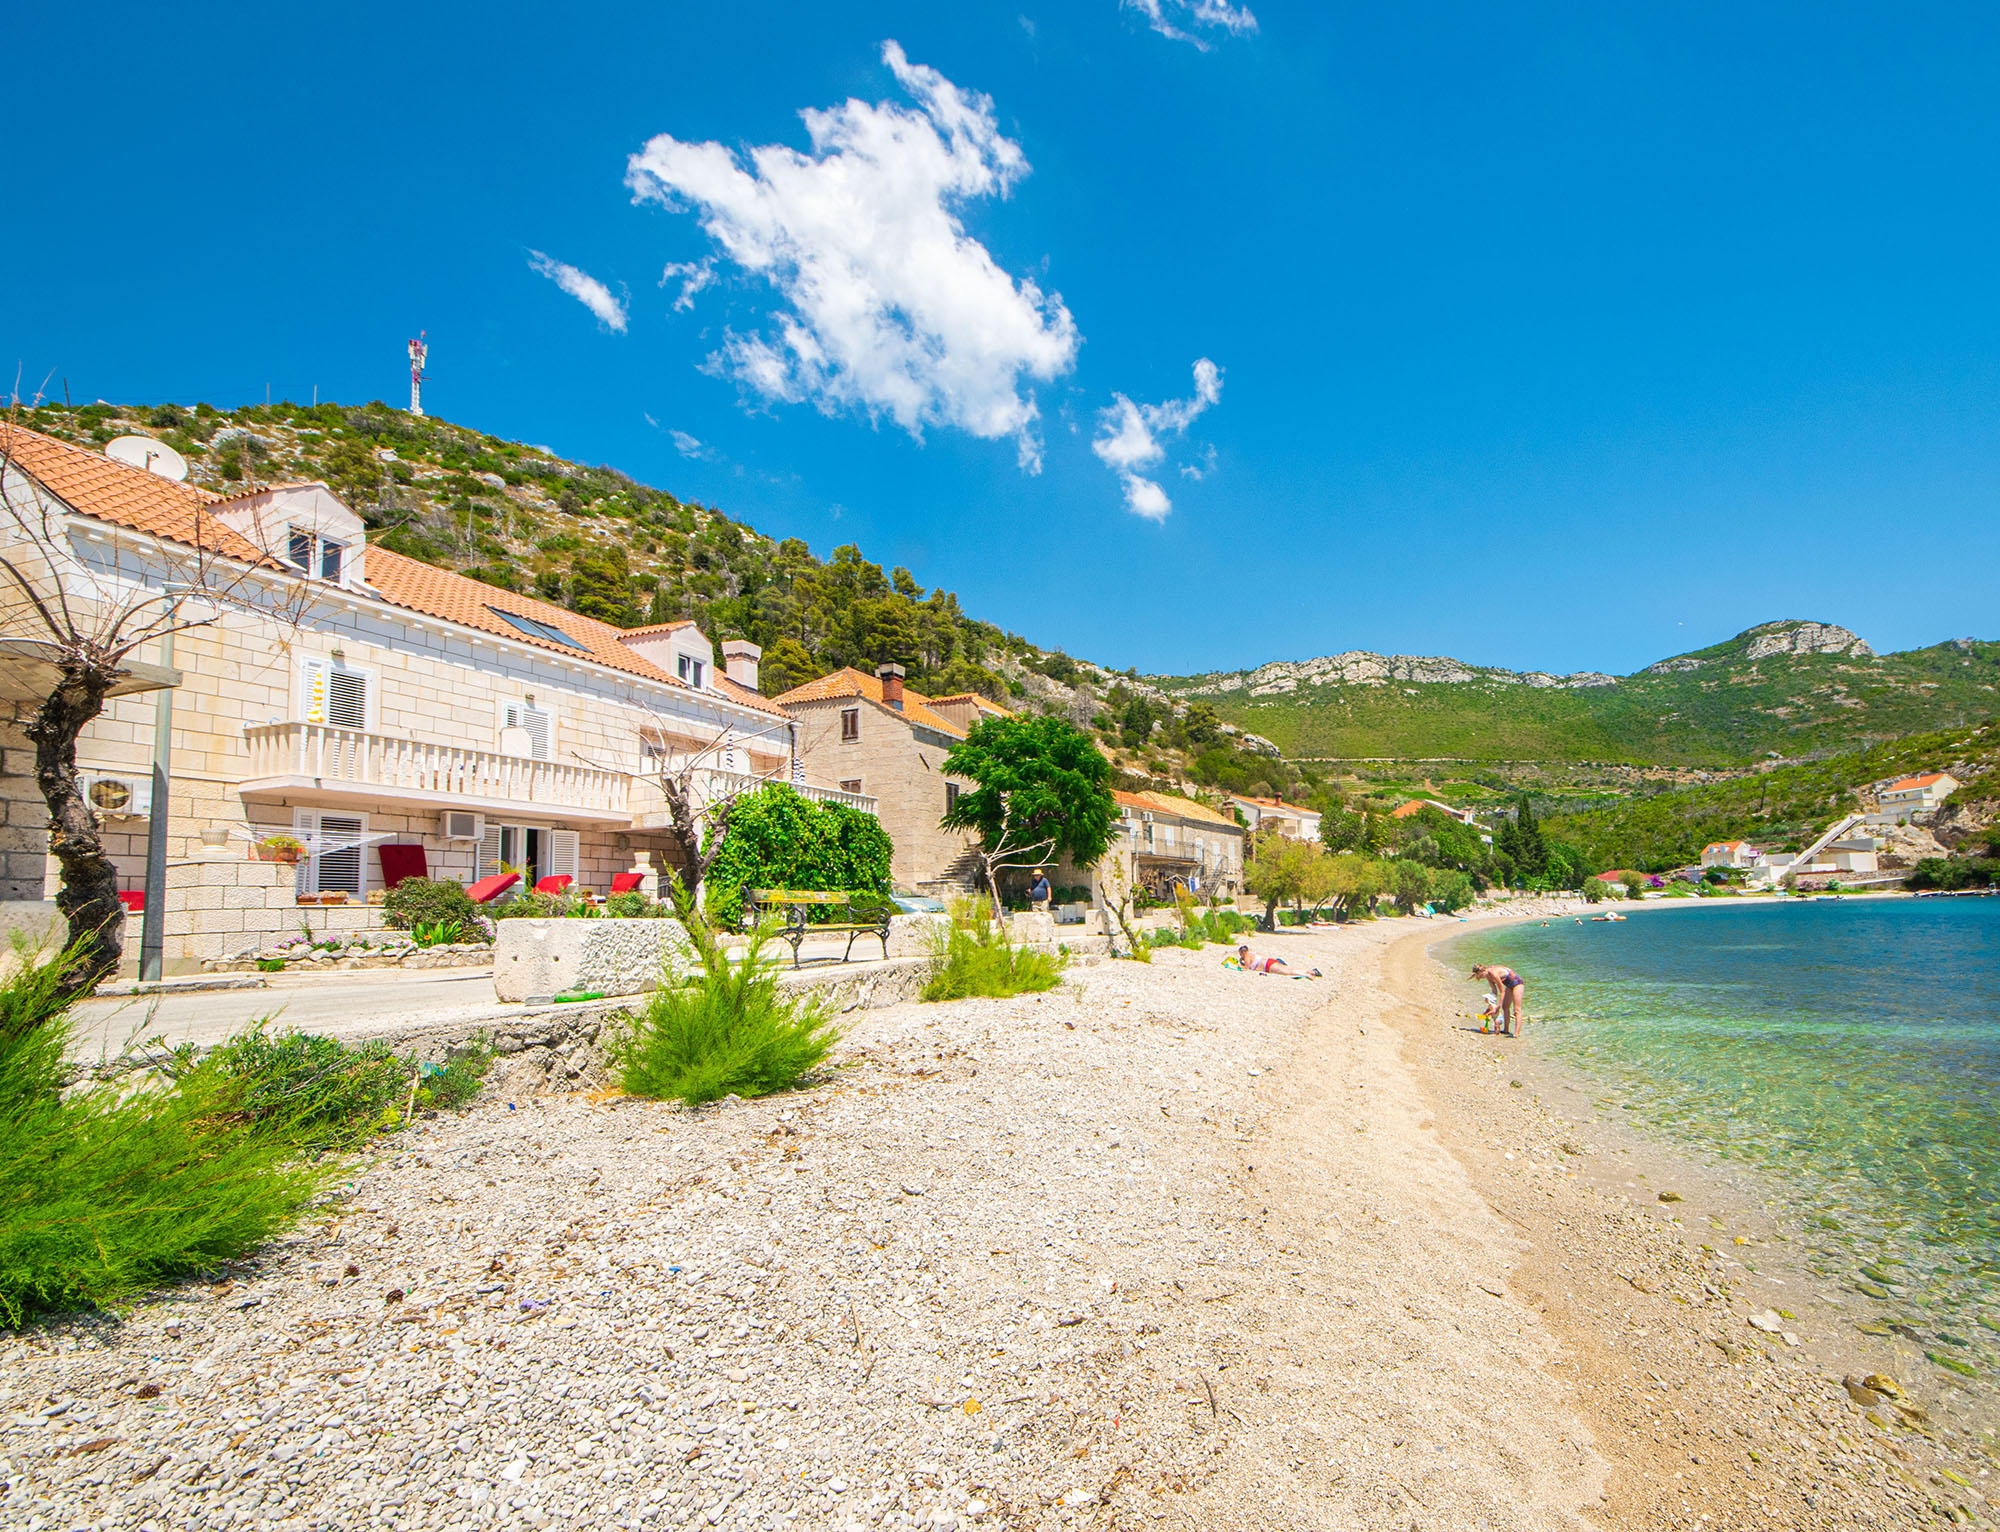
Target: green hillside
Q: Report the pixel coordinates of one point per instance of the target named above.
(591, 539)
(1780, 808)
(1715, 707)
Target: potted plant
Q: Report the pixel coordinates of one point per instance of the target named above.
(280, 848)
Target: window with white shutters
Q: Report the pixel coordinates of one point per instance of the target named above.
(334, 694)
(334, 861)
(489, 850)
(562, 853)
(539, 724)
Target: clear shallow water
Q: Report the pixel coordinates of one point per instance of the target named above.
(1849, 1052)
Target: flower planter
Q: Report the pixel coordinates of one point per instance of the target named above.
(285, 854)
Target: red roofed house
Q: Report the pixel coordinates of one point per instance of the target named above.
(1914, 795)
(1729, 853)
(355, 698)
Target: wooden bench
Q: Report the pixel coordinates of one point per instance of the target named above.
(867, 915)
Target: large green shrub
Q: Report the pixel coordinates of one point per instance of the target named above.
(433, 901)
(730, 1032)
(779, 839)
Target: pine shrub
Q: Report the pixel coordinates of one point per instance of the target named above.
(975, 959)
(730, 1032)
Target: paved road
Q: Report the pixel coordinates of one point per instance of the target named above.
(336, 1004)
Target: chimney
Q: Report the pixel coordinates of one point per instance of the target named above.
(891, 677)
(739, 661)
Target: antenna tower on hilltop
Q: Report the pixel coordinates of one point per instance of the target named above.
(419, 352)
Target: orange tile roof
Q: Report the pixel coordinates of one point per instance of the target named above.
(1414, 806)
(93, 485)
(984, 703)
(96, 486)
(849, 682)
(1171, 803)
(652, 628)
(1914, 782)
(1722, 845)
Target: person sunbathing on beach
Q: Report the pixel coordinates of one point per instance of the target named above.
(1251, 963)
(1509, 989)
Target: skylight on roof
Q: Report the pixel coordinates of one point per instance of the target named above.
(535, 628)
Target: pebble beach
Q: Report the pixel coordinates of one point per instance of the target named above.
(1169, 1246)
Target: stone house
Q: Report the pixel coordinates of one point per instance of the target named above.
(356, 699)
(1291, 819)
(1164, 839)
(874, 736)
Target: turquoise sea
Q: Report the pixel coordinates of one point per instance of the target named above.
(1848, 1053)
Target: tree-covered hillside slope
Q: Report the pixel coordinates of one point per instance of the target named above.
(1794, 689)
(1779, 809)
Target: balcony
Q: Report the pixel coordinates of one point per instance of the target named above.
(367, 768)
(649, 812)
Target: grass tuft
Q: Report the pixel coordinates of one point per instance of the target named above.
(974, 958)
(110, 1187)
(729, 1032)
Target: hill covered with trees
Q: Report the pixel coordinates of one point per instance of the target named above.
(1791, 689)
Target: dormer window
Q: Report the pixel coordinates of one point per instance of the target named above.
(691, 670)
(315, 554)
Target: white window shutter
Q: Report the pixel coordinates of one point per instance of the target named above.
(489, 851)
(314, 674)
(537, 722)
(304, 823)
(562, 854)
(338, 863)
(347, 699)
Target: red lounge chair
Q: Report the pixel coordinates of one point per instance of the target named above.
(625, 882)
(402, 861)
(486, 890)
(554, 885)
(134, 899)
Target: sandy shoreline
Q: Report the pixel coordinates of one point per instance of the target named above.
(1169, 1247)
(1707, 1419)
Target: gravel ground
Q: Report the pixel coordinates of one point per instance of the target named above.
(1169, 1246)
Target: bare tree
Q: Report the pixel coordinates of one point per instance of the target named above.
(1010, 852)
(700, 792)
(76, 623)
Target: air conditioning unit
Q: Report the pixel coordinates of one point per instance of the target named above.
(461, 824)
(119, 794)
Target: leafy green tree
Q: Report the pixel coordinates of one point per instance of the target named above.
(1520, 839)
(1044, 792)
(601, 585)
(1280, 870)
(1202, 726)
(785, 665)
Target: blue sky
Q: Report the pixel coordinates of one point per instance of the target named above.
(1178, 334)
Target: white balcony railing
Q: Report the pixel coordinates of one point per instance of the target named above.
(323, 754)
(725, 783)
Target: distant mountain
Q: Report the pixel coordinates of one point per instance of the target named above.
(1794, 688)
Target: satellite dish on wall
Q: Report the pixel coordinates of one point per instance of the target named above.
(144, 452)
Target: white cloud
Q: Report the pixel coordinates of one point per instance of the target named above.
(1129, 438)
(694, 275)
(889, 306)
(582, 286)
(690, 446)
(1162, 16)
(1201, 469)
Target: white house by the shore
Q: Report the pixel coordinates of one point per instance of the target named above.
(1730, 853)
(1918, 794)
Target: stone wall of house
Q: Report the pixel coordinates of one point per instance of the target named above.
(901, 771)
(24, 817)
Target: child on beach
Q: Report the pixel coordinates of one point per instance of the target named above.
(1509, 990)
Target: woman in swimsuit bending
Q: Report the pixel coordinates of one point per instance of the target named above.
(1509, 990)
